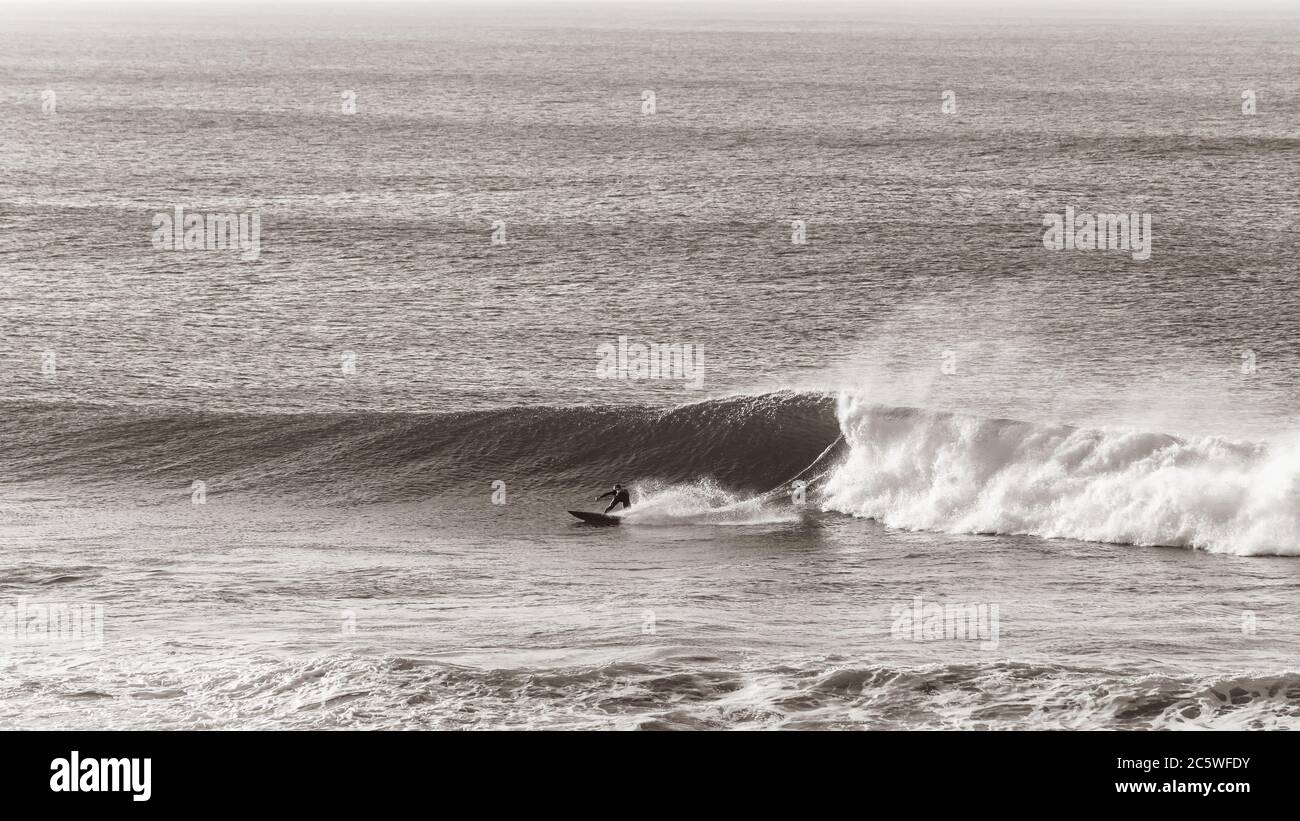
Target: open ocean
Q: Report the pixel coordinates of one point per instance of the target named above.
(327, 487)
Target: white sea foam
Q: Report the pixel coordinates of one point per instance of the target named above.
(924, 471)
(704, 502)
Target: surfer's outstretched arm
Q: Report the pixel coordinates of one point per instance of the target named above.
(603, 495)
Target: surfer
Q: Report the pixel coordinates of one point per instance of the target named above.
(620, 495)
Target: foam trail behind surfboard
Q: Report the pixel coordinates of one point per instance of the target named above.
(705, 502)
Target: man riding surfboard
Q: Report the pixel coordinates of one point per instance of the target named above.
(620, 495)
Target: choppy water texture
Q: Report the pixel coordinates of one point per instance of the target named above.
(1097, 453)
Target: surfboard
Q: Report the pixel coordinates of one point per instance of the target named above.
(595, 518)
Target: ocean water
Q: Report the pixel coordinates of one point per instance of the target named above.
(326, 487)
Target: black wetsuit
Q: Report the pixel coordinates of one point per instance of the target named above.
(620, 496)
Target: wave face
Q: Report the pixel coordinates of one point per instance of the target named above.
(925, 471)
(745, 444)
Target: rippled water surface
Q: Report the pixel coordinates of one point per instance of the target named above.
(1096, 453)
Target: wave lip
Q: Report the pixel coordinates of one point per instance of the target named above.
(917, 470)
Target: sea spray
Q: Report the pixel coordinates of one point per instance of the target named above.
(918, 470)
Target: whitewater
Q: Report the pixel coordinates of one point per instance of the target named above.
(926, 471)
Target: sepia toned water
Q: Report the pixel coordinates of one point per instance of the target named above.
(932, 474)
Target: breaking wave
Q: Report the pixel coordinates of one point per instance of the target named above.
(720, 461)
(925, 471)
